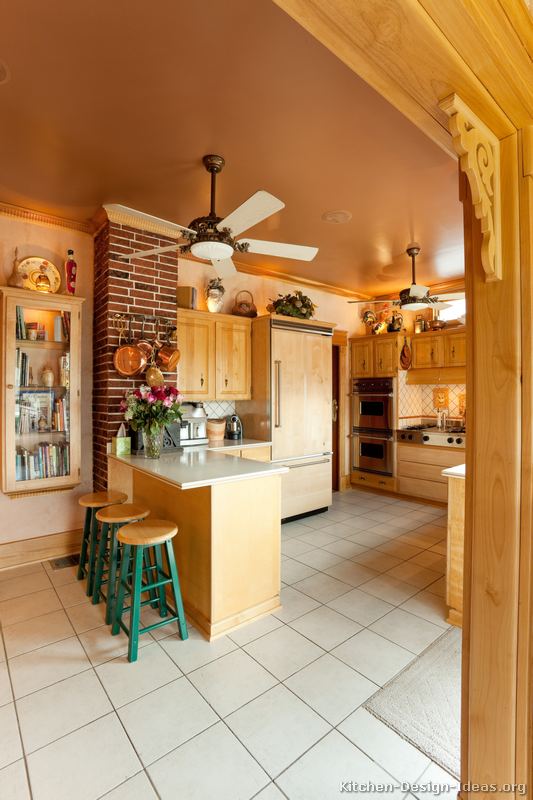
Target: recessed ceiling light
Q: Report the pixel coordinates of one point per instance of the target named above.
(337, 217)
(5, 73)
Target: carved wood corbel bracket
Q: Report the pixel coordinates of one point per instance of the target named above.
(479, 152)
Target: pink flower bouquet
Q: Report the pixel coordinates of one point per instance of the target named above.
(150, 408)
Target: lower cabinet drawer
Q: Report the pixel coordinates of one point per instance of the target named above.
(306, 487)
(426, 472)
(256, 453)
(360, 478)
(431, 490)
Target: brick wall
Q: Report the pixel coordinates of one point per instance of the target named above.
(144, 286)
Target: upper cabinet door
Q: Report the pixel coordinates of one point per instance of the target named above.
(428, 351)
(233, 360)
(196, 341)
(385, 357)
(455, 349)
(362, 358)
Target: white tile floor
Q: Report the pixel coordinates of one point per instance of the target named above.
(272, 711)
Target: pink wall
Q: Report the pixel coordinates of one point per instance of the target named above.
(39, 515)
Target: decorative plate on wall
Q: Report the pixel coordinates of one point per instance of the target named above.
(33, 268)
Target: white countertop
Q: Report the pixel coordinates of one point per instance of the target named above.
(235, 444)
(192, 467)
(455, 472)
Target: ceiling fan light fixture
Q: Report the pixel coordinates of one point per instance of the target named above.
(413, 305)
(212, 251)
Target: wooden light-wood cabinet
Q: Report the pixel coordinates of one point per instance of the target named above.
(233, 359)
(40, 392)
(455, 350)
(361, 350)
(215, 359)
(196, 369)
(376, 356)
(420, 469)
(385, 356)
(428, 351)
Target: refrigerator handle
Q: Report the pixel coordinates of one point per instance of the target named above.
(277, 413)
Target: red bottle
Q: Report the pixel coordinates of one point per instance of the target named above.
(71, 268)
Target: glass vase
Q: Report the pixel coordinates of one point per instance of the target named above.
(153, 443)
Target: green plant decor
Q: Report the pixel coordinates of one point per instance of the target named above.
(293, 305)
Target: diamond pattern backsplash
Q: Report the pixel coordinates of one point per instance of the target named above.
(217, 409)
(417, 401)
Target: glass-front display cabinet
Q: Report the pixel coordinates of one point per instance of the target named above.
(41, 368)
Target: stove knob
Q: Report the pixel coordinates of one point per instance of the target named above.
(410, 436)
(425, 438)
(459, 441)
(450, 440)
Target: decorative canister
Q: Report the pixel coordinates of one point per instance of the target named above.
(214, 294)
(215, 429)
(47, 376)
(244, 308)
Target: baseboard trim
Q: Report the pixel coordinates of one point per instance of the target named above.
(41, 548)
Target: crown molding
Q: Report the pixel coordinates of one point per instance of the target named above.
(39, 218)
(479, 157)
(284, 277)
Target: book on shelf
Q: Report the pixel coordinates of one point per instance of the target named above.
(20, 324)
(46, 460)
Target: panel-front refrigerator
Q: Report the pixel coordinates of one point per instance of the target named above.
(291, 405)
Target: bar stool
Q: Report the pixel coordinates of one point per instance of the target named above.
(112, 518)
(93, 502)
(137, 538)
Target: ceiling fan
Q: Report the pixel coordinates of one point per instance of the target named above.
(415, 297)
(212, 238)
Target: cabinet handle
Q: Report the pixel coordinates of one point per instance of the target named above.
(431, 354)
(453, 351)
(277, 416)
(363, 363)
(201, 380)
(309, 463)
(9, 385)
(226, 382)
(381, 363)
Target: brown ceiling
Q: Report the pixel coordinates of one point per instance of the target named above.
(117, 102)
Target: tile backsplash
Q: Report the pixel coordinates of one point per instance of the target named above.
(217, 409)
(417, 401)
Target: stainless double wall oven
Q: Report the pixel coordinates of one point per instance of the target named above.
(372, 425)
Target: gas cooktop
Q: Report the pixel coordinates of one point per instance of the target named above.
(430, 434)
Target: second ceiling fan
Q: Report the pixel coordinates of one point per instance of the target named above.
(212, 238)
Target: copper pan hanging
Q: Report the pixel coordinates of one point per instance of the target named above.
(128, 359)
(168, 355)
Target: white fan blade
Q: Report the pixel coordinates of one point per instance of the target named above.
(257, 208)
(224, 268)
(140, 216)
(155, 251)
(296, 251)
(440, 305)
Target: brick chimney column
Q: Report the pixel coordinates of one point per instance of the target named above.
(142, 286)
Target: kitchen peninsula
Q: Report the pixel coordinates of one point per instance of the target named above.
(228, 512)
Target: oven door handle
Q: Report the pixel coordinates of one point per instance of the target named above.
(372, 394)
(374, 438)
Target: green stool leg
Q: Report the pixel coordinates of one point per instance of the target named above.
(122, 586)
(135, 616)
(100, 559)
(92, 552)
(150, 572)
(176, 589)
(85, 539)
(158, 558)
(112, 574)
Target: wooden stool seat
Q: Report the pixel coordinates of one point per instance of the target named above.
(147, 532)
(126, 512)
(101, 499)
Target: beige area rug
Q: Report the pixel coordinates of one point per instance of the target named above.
(423, 703)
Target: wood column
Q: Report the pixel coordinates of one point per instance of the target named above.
(493, 484)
